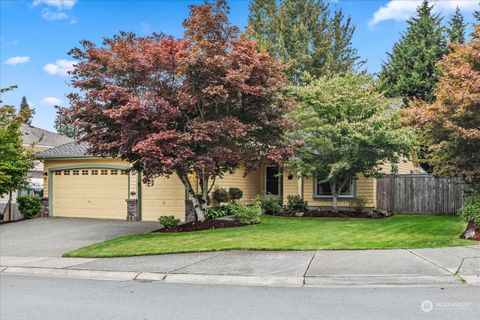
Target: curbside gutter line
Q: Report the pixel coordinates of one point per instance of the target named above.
(237, 280)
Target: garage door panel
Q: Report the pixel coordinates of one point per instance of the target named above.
(90, 196)
(164, 198)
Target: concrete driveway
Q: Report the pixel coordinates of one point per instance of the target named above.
(52, 237)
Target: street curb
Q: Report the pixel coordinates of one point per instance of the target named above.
(472, 280)
(234, 280)
(77, 274)
(322, 281)
(237, 280)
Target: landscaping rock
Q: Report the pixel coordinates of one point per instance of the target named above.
(469, 234)
(299, 214)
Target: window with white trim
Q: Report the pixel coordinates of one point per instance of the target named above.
(323, 189)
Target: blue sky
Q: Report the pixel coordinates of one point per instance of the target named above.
(35, 36)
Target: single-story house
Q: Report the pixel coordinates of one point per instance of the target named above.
(37, 140)
(81, 185)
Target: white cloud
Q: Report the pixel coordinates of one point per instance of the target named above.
(60, 4)
(57, 15)
(17, 60)
(401, 10)
(60, 67)
(51, 101)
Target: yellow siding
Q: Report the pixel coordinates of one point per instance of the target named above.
(405, 166)
(164, 198)
(364, 190)
(250, 184)
(290, 186)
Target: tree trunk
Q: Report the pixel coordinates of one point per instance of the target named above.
(197, 207)
(8, 206)
(334, 200)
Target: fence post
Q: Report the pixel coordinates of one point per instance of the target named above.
(392, 193)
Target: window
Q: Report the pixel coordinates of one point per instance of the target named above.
(94, 172)
(84, 172)
(103, 172)
(76, 172)
(58, 173)
(66, 172)
(113, 172)
(272, 180)
(123, 172)
(324, 190)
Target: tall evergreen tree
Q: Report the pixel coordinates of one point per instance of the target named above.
(476, 15)
(25, 108)
(456, 30)
(410, 71)
(64, 124)
(305, 34)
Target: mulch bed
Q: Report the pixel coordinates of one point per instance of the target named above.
(331, 214)
(476, 237)
(203, 225)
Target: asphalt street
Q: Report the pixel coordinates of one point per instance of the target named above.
(37, 297)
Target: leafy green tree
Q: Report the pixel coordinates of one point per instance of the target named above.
(344, 127)
(410, 71)
(63, 124)
(456, 30)
(305, 34)
(15, 160)
(25, 108)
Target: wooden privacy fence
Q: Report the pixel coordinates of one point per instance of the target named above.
(419, 194)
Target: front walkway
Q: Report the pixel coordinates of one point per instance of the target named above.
(417, 267)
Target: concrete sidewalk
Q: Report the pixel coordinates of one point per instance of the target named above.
(400, 267)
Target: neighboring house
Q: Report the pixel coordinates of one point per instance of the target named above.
(39, 140)
(80, 185)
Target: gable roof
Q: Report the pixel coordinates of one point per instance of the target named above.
(35, 136)
(69, 150)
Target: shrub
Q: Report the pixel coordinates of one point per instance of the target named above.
(169, 221)
(270, 204)
(29, 206)
(227, 210)
(235, 194)
(296, 203)
(470, 211)
(220, 195)
(249, 214)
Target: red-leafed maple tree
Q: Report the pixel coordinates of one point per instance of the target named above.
(203, 104)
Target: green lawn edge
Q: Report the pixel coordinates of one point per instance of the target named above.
(292, 234)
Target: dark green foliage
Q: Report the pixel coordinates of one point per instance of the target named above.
(218, 212)
(64, 124)
(15, 160)
(169, 221)
(220, 195)
(410, 71)
(28, 205)
(305, 34)
(270, 204)
(296, 203)
(470, 211)
(249, 214)
(235, 194)
(456, 30)
(25, 108)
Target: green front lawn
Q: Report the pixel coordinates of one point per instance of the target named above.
(283, 233)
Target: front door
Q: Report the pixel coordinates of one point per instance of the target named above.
(272, 180)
